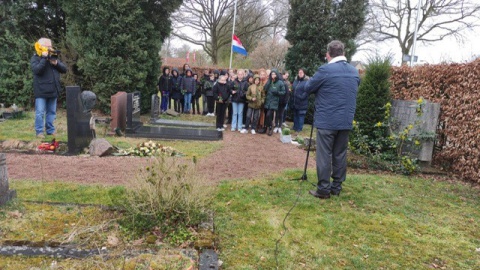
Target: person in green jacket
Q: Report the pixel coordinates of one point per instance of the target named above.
(273, 89)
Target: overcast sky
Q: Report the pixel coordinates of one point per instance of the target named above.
(448, 50)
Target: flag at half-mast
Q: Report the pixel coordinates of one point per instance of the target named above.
(237, 46)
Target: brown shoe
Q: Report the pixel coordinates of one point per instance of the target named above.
(314, 193)
(40, 136)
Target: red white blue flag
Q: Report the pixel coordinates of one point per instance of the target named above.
(237, 46)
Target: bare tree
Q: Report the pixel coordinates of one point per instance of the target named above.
(395, 20)
(280, 12)
(182, 51)
(208, 23)
(270, 54)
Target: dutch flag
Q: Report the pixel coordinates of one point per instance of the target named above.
(237, 46)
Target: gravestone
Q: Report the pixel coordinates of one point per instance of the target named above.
(118, 111)
(155, 107)
(135, 127)
(404, 113)
(133, 112)
(6, 194)
(78, 121)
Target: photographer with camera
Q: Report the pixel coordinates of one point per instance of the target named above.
(46, 68)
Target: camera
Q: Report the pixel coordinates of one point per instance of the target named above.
(53, 54)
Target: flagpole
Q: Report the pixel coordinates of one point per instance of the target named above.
(233, 33)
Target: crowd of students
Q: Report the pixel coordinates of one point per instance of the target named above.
(248, 102)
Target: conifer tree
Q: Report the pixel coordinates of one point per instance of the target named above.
(373, 94)
(117, 43)
(312, 24)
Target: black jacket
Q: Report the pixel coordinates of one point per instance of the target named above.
(221, 91)
(176, 79)
(165, 83)
(46, 77)
(241, 87)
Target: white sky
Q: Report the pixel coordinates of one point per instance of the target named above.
(448, 50)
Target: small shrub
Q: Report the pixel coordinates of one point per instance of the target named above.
(286, 131)
(168, 195)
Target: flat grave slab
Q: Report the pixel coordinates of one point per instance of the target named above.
(172, 133)
(177, 123)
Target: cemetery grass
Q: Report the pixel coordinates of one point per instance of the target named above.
(378, 222)
(69, 214)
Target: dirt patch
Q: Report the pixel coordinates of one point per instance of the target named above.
(243, 156)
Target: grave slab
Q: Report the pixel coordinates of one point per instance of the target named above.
(171, 133)
(177, 123)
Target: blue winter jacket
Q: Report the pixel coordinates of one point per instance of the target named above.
(335, 86)
(300, 96)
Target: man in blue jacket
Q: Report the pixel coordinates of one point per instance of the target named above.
(335, 86)
(46, 70)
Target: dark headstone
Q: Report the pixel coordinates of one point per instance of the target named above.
(133, 112)
(155, 107)
(5, 193)
(78, 121)
(118, 107)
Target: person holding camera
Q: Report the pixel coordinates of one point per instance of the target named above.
(46, 68)
(335, 86)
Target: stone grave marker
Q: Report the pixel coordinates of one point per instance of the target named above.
(78, 121)
(133, 112)
(404, 113)
(186, 131)
(6, 194)
(118, 111)
(155, 107)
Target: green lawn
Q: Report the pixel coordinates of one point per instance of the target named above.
(378, 222)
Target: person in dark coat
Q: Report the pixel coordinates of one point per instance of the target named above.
(176, 92)
(205, 77)
(196, 96)
(46, 86)
(188, 88)
(300, 100)
(208, 88)
(221, 93)
(239, 92)
(274, 89)
(282, 103)
(164, 87)
(335, 86)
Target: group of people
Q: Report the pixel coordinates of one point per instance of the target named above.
(248, 102)
(260, 100)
